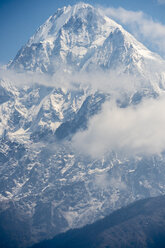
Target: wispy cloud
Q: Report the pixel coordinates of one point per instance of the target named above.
(103, 180)
(132, 131)
(142, 26)
(111, 81)
(161, 1)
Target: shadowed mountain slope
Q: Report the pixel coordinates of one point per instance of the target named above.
(141, 224)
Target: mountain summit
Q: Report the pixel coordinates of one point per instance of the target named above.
(81, 37)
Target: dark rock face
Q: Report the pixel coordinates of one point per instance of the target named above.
(90, 107)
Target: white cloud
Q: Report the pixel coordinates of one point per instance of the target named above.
(142, 26)
(132, 131)
(25, 78)
(112, 82)
(103, 180)
(161, 1)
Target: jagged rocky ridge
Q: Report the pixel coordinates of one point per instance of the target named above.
(46, 186)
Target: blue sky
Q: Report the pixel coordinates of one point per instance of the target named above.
(19, 19)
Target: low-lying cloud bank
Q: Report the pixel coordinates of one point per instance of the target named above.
(136, 130)
(110, 81)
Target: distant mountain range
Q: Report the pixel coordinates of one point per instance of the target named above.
(46, 186)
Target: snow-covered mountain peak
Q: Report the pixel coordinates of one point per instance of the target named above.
(81, 6)
(80, 15)
(69, 36)
(81, 37)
